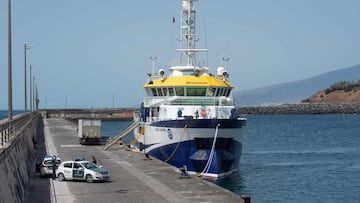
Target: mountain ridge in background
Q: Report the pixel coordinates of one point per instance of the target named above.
(296, 91)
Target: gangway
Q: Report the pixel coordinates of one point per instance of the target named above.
(134, 125)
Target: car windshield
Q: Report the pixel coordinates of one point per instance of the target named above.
(89, 165)
(49, 162)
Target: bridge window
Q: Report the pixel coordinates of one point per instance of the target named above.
(165, 91)
(210, 92)
(160, 92)
(221, 92)
(180, 91)
(218, 92)
(196, 91)
(154, 93)
(228, 92)
(171, 91)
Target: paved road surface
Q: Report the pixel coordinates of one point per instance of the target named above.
(133, 178)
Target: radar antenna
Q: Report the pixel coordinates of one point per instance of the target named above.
(188, 35)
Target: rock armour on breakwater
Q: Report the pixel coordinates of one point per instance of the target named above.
(307, 108)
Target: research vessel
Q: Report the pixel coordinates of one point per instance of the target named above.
(188, 118)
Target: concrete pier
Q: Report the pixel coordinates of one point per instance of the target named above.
(133, 178)
(17, 149)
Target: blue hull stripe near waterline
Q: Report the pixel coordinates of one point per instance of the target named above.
(195, 159)
(201, 123)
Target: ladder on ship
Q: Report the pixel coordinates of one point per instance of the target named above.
(134, 125)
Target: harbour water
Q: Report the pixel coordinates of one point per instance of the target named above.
(4, 114)
(299, 158)
(292, 158)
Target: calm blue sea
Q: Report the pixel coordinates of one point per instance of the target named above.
(293, 158)
(299, 158)
(4, 114)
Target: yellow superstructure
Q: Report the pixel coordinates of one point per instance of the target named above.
(189, 80)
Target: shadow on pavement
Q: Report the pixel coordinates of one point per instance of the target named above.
(38, 189)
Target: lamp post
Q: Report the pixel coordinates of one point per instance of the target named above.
(33, 94)
(36, 100)
(153, 58)
(26, 47)
(31, 84)
(226, 60)
(9, 65)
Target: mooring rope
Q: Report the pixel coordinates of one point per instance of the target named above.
(207, 166)
(178, 144)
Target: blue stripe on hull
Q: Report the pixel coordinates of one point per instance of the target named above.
(201, 123)
(226, 156)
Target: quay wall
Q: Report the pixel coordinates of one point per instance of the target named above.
(16, 157)
(306, 108)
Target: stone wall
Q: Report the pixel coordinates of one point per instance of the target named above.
(16, 163)
(306, 108)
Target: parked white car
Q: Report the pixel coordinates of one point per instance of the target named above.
(46, 167)
(82, 170)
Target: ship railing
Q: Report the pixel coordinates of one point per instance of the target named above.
(137, 116)
(217, 113)
(188, 101)
(152, 119)
(156, 119)
(156, 77)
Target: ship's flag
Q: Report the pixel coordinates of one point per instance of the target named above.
(173, 19)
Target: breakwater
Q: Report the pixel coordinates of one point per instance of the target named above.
(101, 114)
(306, 108)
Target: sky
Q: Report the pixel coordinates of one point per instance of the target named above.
(96, 54)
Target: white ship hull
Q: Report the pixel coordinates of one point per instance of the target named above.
(193, 144)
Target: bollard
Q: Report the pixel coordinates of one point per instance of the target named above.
(246, 198)
(147, 157)
(184, 173)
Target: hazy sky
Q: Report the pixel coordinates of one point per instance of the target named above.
(92, 53)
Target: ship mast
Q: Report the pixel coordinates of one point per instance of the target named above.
(188, 35)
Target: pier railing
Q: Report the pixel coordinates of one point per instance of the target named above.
(10, 129)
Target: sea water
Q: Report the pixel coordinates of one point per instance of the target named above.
(299, 158)
(4, 114)
(292, 158)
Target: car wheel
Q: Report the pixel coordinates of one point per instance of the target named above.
(89, 178)
(61, 177)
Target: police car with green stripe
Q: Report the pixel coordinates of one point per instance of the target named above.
(82, 170)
